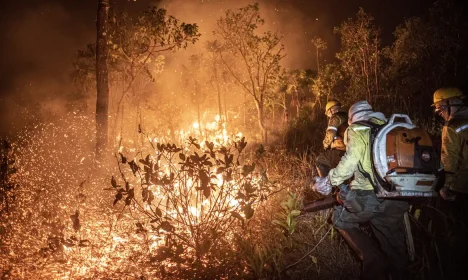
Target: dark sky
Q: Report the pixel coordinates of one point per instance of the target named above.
(38, 38)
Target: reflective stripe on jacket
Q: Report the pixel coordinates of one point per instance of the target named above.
(454, 152)
(356, 158)
(336, 127)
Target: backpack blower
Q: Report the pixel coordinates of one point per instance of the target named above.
(404, 160)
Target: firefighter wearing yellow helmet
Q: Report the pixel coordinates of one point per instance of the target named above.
(337, 124)
(449, 103)
(333, 142)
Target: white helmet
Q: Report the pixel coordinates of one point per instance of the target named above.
(359, 109)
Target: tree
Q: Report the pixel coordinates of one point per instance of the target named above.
(259, 56)
(294, 86)
(194, 85)
(136, 55)
(360, 56)
(138, 52)
(214, 48)
(425, 55)
(323, 88)
(102, 78)
(319, 45)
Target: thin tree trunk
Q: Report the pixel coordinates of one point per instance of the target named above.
(261, 121)
(318, 66)
(197, 100)
(298, 105)
(220, 111)
(224, 90)
(376, 70)
(102, 78)
(245, 110)
(285, 110)
(225, 107)
(199, 121)
(366, 74)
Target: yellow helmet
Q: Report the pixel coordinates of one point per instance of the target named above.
(330, 104)
(447, 93)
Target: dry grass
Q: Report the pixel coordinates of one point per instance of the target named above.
(318, 250)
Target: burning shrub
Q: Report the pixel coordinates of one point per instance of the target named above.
(199, 210)
(189, 200)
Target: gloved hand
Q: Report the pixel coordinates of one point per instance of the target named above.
(322, 185)
(447, 194)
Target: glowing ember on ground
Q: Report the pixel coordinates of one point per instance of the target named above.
(80, 234)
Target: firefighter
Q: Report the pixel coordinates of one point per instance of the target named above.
(450, 104)
(333, 142)
(361, 205)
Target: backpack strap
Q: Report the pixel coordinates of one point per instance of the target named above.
(374, 129)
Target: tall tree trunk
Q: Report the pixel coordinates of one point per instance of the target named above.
(218, 89)
(376, 73)
(285, 109)
(197, 100)
(225, 91)
(261, 121)
(102, 79)
(318, 66)
(199, 122)
(244, 108)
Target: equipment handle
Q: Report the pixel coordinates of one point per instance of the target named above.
(401, 116)
(327, 202)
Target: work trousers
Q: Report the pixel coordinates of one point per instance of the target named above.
(452, 238)
(387, 257)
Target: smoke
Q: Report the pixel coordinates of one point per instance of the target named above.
(290, 19)
(40, 41)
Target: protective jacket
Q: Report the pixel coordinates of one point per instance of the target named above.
(454, 153)
(357, 159)
(334, 136)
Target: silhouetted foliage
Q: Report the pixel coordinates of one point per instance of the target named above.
(304, 135)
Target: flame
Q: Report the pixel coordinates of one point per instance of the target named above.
(112, 240)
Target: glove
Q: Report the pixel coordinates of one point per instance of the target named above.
(447, 194)
(322, 185)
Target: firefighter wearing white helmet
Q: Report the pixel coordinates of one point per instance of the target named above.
(333, 142)
(385, 216)
(450, 104)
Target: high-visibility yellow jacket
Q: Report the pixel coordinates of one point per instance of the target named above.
(334, 136)
(454, 152)
(356, 159)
